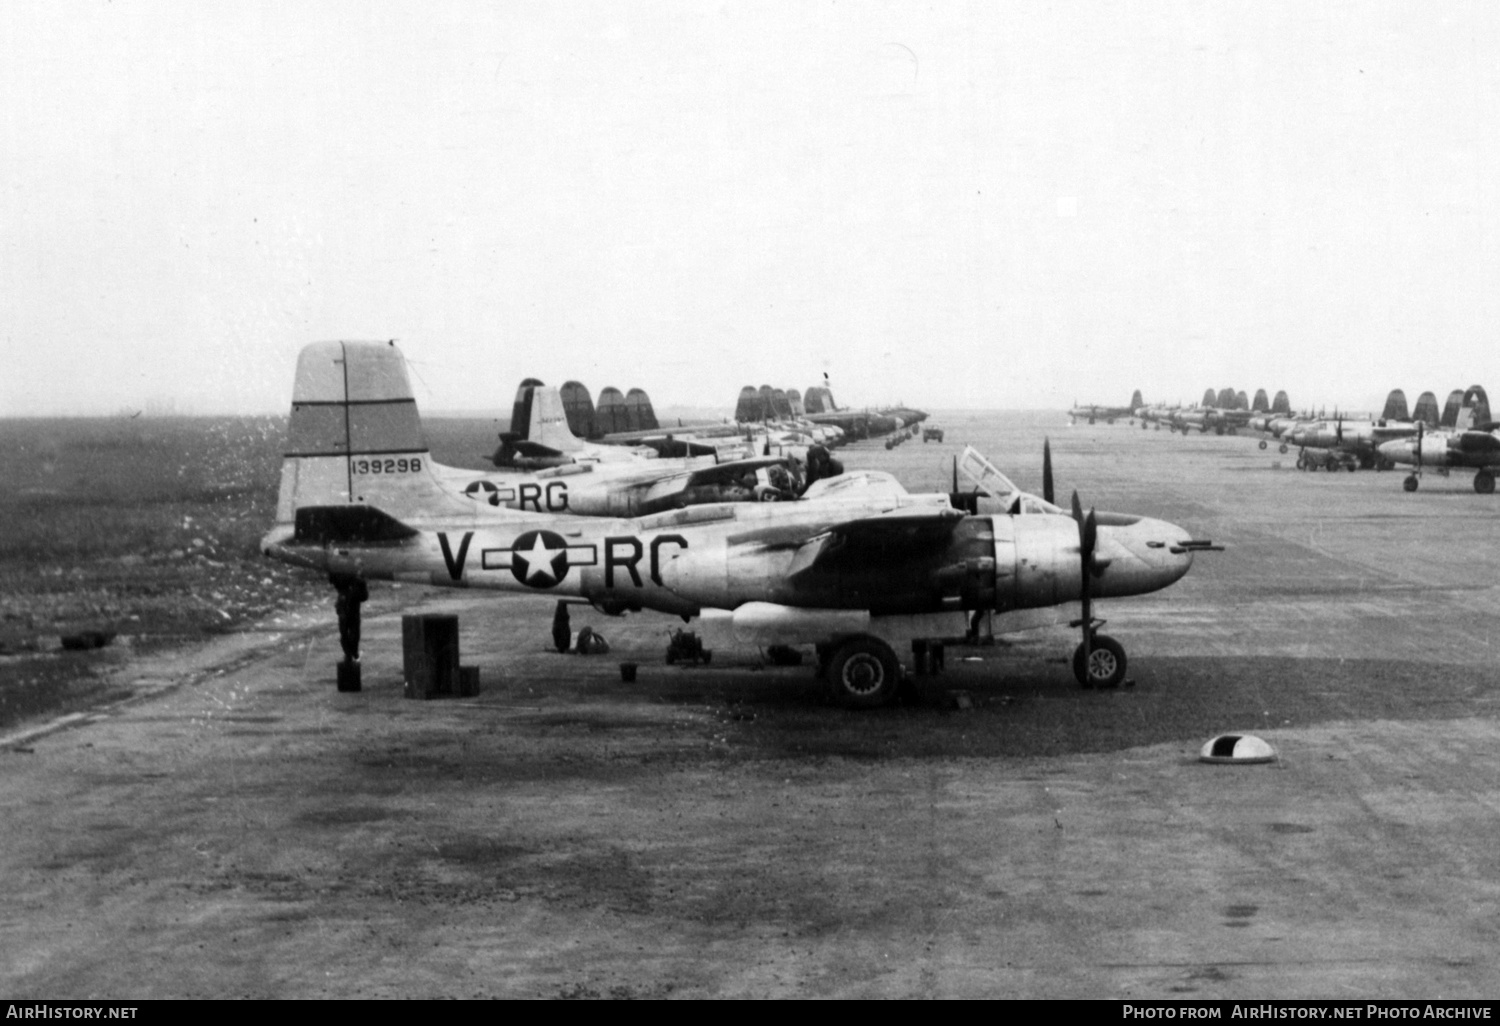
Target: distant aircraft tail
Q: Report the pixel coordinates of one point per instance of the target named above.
(1395, 406)
(1427, 409)
(355, 437)
(1281, 404)
(1475, 410)
(639, 412)
(1451, 407)
(1262, 404)
(547, 421)
(580, 408)
(1136, 400)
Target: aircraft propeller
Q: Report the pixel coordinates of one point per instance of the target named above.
(1088, 539)
(1047, 470)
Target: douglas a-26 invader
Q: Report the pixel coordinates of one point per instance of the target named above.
(843, 569)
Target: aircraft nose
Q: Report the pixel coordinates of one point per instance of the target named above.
(1145, 556)
(1399, 451)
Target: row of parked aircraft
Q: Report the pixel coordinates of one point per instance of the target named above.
(851, 563)
(1463, 435)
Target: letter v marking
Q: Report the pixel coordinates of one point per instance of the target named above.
(455, 566)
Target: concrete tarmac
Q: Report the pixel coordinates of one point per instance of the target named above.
(245, 830)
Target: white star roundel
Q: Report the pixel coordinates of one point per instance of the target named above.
(539, 559)
(483, 491)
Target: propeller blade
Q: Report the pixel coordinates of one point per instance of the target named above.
(1047, 470)
(955, 474)
(1077, 509)
(1089, 538)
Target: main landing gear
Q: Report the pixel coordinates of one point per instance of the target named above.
(1484, 482)
(1099, 662)
(863, 672)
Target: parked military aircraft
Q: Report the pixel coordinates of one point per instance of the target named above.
(1361, 437)
(625, 486)
(760, 405)
(541, 435)
(836, 570)
(1473, 443)
(1109, 414)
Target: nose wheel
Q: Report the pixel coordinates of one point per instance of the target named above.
(1410, 484)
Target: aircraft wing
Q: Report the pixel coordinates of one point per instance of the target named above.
(731, 472)
(905, 531)
(915, 524)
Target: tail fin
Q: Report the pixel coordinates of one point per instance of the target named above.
(1476, 408)
(1136, 401)
(1281, 404)
(1395, 406)
(580, 406)
(1451, 407)
(1261, 404)
(794, 398)
(1209, 397)
(639, 411)
(549, 421)
(748, 407)
(355, 436)
(610, 414)
(1427, 409)
(817, 399)
(520, 410)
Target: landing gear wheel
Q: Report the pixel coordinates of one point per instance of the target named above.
(1106, 663)
(1282, 449)
(1484, 482)
(1410, 484)
(1262, 443)
(864, 674)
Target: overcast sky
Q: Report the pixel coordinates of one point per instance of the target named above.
(985, 205)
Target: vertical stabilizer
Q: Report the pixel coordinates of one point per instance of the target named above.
(1476, 409)
(1262, 403)
(1427, 409)
(354, 435)
(549, 421)
(610, 414)
(1395, 406)
(639, 412)
(1281, 404)
(580, 408)
(794, 399)
(748, 406)
(1451, 407)
(1209, 397)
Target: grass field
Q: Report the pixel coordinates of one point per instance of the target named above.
(148, 528)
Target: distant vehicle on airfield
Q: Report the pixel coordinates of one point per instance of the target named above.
(855, 565)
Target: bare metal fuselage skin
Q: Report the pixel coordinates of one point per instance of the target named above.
(725, 556)
(361, 496)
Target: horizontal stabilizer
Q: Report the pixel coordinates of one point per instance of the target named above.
(352, 525)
